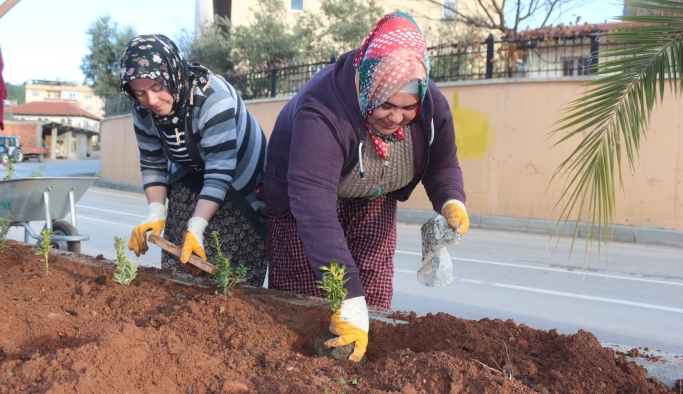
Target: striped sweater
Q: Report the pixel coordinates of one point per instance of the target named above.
(225, 141)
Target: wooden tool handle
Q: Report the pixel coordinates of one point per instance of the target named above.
(175, 250)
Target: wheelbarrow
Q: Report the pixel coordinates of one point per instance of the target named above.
(33, 199)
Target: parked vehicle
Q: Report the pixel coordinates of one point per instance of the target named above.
(11, 149)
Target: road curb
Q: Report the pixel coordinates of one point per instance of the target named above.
(625, 234)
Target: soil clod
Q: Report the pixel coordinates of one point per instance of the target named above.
(340, 353)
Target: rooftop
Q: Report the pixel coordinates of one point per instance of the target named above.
(51, 109)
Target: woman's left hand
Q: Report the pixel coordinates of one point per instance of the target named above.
(455, 213)
(194, 239)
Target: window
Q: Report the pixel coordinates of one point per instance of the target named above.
(35, 93)
(296, 5)
(54, 94)
(69, 95)
(448, 12)
(576, 66)
(88, 96)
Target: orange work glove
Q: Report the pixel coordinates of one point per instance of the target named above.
(155, 221)
(352, 323)
(194, 239)
(455, 213)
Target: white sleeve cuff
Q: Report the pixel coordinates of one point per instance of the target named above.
(197, 225)
(156, 211)
(454, 201)
(354, 311)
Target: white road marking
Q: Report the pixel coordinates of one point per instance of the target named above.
(110, 211)
(128, 226)
(560, 293)
(663, 282)
(117, 195)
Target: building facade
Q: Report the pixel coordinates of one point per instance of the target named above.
(81, 96)
(68, 131)
(433, 17)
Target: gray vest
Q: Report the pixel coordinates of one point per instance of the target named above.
(380, 176)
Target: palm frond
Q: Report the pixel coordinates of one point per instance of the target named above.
(613, 116)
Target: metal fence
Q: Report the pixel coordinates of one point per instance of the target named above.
(562, 56)
(118, 105)
(275, 81)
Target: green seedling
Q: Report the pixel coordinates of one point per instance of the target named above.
(98, 175)
(40, 173)
(127, 270)
(333, 284)
(225, 276)
(4, 228)
(44, 246)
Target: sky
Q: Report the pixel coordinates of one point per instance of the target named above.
(46, 39)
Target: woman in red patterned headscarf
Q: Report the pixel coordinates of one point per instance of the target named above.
(355, 140)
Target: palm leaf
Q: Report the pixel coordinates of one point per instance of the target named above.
(613, 116)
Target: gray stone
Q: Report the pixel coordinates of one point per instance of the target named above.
(338, 353)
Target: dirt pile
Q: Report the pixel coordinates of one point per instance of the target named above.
(77, 331)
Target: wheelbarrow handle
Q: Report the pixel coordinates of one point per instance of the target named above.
(175, 250)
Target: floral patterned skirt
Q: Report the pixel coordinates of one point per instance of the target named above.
(239, 241)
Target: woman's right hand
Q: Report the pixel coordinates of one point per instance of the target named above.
(155, 221)
(352, 323)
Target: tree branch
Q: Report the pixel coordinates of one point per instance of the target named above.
(6, 6)
(499, 26)
(468, 19)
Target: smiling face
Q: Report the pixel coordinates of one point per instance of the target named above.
(396, 112)
(152, 95)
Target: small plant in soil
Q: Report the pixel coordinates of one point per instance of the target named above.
(44, 246)
(4, 228)
(344, 382)
(40, 173)
(332, 284)
(225, 276)
(9, 164)
(127, 270)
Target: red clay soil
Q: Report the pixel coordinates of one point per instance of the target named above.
(78, 331)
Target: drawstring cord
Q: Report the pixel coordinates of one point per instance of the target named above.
(360, 160)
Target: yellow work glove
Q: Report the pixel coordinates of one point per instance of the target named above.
(455, 213)
(352, 323)
(155, 221)
(194, 241)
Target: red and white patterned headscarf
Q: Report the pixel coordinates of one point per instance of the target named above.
(393, 55)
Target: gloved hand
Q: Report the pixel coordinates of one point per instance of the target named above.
(352, 323)
(455, 213)
(194, 239)
(155, 221)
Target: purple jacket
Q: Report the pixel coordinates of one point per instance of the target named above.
(315, 143)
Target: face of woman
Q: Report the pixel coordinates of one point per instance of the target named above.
(152, 95)
(396, 112)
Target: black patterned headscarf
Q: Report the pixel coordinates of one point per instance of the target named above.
(156, 57)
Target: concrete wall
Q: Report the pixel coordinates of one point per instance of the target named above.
(119, 154)
(507, 159)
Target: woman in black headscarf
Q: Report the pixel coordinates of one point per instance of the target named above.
(201, 148)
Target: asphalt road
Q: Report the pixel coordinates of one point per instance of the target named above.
(634, 298)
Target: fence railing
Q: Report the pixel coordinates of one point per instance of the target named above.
(275, 81)
(118, 105)
(535, 57)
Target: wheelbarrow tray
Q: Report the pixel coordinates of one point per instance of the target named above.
(24, 197)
